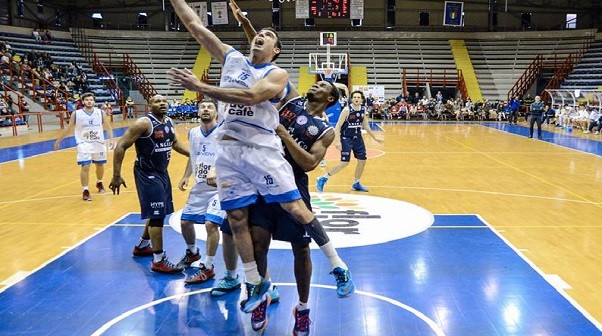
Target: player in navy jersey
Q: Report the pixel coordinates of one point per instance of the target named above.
(349, 138)
(306, 137)
(154, 136)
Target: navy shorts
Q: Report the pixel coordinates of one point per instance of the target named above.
(273, 218)
(154, 193)
(355, 144)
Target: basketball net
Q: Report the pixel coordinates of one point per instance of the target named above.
(329, 74)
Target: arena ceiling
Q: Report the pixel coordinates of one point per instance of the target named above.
(158, 5)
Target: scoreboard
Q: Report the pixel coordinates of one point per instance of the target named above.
(338, 9)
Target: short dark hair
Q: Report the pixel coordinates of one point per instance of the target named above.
(278, 43)
(86, 95)
(358, 91)
(207, 100)
(334, 92)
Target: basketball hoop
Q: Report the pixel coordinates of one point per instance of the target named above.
(330, 74)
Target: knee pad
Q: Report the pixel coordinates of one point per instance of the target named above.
(155, 222)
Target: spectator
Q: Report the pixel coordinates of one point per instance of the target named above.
(36, 35)
(514, 106)
(595, 121)
(24, 109)
(129, 106)
(107, 108)
(46, 37)
(5, 58)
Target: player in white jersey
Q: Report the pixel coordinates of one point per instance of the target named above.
(202, 206)
(250, 159)
(88, 124)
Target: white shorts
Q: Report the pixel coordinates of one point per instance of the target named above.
(203, 206)
(88, 158)
(245, 171)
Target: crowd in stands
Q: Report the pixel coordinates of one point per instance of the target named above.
(41, 35)
(37, 70)
(584, 117)
(187, 108)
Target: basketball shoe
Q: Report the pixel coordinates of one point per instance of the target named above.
(189, 258)
(101, 188)
(302, 322)
(86, 195)
(358, 187)
(259, 315)
(321, 182)
(202, 275)
(143, 251)
(226, 285)
(256, 295)
(345, 286)
(165, 266)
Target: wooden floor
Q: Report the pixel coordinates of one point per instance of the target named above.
(544, 198)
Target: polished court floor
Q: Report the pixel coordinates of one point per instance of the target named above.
(468, 229)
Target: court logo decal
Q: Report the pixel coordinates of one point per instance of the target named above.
(354, 220)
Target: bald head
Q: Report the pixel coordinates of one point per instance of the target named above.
(158, 105)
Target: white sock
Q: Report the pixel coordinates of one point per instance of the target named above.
(85, 188)
(333, 256)
(158, 256)
(192, 248)
(326, 176)
(143, 243)
(251, 273)
(98, 181)
(231, 273)
(208, 261)
(356, 181)
(302, 306)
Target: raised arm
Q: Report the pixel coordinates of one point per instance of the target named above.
(250, 32)
(204, 36)
(266, 88)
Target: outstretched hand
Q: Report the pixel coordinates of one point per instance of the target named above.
(184, 78)
(116, 183)
(236, 11)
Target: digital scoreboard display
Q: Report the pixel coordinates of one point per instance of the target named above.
(338, 9)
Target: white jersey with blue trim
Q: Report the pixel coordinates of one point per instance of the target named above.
(89, 134)
(203, 150)
(254, 125)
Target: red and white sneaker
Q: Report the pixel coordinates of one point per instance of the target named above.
(165, 266)
(101, 188)
(201, 276)
(143, 251)
(86, 195)
(189, 258)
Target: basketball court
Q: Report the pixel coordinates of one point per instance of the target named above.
(468, 229)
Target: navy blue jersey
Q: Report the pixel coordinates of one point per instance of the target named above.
(303, 127)
(352, 127)
(153, 151)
